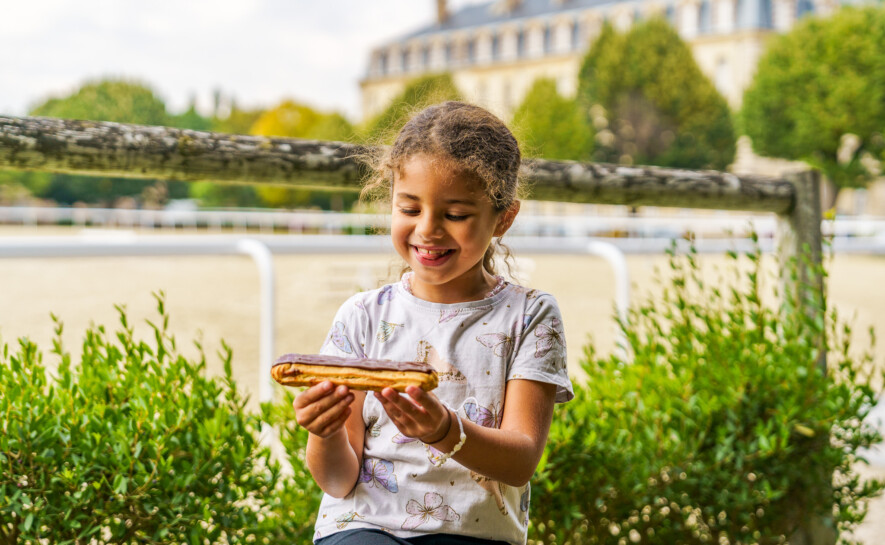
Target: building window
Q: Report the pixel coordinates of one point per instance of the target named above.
(705, 18)
(804, 7)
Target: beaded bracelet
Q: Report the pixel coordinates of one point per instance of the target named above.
(461, 439)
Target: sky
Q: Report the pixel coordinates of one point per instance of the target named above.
(259, 51)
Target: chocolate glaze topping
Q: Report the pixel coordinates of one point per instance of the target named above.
(361, 363)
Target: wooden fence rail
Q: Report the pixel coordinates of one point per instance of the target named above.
(135, 151)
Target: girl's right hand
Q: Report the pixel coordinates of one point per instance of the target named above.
(322, 409)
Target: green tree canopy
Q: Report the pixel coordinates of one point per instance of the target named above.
(418, 94)
(817, 84)
(190, 119)
(651, 102)
(116, 100)
(239, 121)
(121, 101)
(551, 126)
(296, 120)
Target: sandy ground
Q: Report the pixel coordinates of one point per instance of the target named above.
(218, 298)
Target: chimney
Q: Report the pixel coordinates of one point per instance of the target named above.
(442, 11)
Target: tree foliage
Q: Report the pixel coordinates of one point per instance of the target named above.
(651, 102)
(295, 120)
(551, 126)
(120, 101)
(291, 119)
(823, 80)
(418, 94)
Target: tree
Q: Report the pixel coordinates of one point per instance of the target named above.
(239, 121)
(108, 100)
(114, 100)
(651, 103)
(819, 95)
(550, 126)
(418, 94)
(295, 120)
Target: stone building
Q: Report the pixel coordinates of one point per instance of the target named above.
(496, 50)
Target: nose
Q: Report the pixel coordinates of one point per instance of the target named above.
(428, 227)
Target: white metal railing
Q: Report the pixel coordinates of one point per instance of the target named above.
(531, 222)
(261, 250)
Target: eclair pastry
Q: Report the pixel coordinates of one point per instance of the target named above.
(355, 373)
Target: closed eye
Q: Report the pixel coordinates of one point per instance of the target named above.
(454, 217)
(409, 211)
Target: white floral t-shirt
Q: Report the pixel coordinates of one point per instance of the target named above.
(475, 347)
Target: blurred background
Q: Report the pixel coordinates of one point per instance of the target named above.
(746, 86)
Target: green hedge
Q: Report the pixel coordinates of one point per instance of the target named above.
(721, 428)
(133, 445)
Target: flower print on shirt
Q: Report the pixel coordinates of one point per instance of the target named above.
(446, 371)
(378, 472)
(433, 454)
(501, 343)
(488, 417)
(385, 331)
(448, 315)
(373, 428)
(549, 336)
(338, 336)
(346, 519)
(433, 508)
(386, 294)
(524, 504)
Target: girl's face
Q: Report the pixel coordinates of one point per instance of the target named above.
(442, 225)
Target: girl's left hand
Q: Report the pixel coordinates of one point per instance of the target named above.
(420, 415)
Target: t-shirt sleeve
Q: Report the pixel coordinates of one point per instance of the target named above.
(540, 353)
(347, 336)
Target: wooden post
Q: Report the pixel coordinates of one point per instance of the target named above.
(800, 246)
(799, 252)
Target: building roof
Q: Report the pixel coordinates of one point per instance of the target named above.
(489, 13)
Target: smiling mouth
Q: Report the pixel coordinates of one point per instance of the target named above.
(429, 255)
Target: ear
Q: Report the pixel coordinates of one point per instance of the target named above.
(505, 219)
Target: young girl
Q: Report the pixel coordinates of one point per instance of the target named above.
(453, 465)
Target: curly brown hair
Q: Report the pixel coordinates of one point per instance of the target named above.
(469, 139)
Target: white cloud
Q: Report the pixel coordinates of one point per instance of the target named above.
(260, 51)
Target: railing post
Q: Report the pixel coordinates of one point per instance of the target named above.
(799, 246)
(799, 260)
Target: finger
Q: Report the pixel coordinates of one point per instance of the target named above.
(313, 394)
(336, 424)
(423, 400)
(389, 403)
(332, 413)
(310, 413)
(409, 405)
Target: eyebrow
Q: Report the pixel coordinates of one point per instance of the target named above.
(415, 198)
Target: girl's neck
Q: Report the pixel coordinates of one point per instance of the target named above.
(491, 285)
